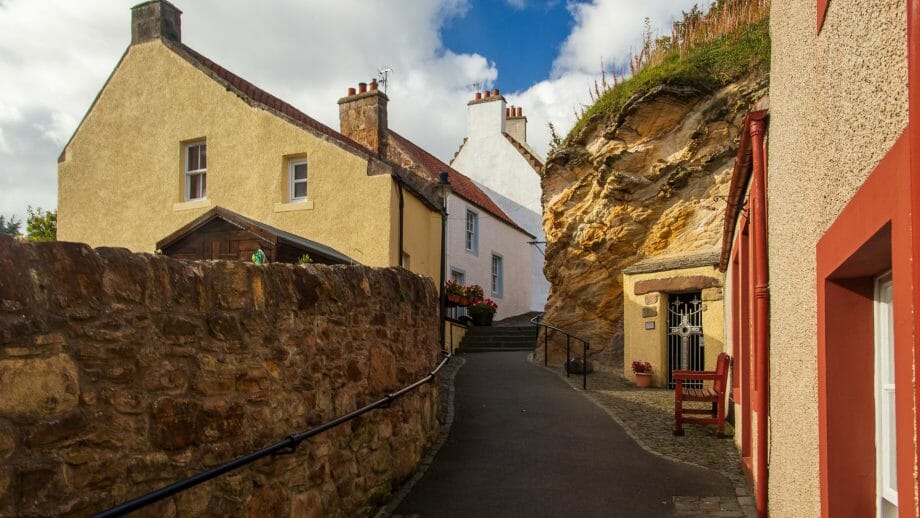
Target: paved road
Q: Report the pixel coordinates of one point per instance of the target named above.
(524, 443)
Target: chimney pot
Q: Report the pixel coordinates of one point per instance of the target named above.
(374, 85)
(351, 92)
(362, 87)
(478, 95)
(155, 20)
(520, 111)
(486, 94)
(507, 112)
(495, 92)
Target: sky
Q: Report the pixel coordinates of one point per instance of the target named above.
(55, 56)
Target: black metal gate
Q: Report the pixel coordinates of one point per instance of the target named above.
(685, 335)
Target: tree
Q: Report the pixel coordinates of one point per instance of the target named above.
(10, 226)
(41, 225)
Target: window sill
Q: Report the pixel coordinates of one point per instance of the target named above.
(294, 205)
(191, 204)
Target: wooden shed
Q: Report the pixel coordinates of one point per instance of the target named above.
(224, 234)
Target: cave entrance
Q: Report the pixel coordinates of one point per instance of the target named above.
(686, 348)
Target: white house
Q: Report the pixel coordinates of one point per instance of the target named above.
(495, 154)
(484, 245)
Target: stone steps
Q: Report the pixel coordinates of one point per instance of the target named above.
(494, 339)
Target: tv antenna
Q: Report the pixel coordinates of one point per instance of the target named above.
(475, 86)
(383, 76)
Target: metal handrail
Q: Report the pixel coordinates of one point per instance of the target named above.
(289, 443)
(585, 345)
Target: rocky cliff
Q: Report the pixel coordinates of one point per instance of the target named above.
(648, 180)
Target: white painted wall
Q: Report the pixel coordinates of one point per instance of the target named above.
(494, 236)
(492, 162)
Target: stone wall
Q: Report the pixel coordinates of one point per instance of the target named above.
(121, 373)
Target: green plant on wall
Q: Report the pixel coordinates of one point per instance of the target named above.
(41, 225)
(10, 226)
(305, 259)
(735, 44)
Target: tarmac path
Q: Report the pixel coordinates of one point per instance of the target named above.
(525, 444)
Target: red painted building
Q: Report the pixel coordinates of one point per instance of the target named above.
(822, 259)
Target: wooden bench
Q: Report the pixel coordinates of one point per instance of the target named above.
(714, 395)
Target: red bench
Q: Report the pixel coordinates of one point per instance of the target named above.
(714, 395)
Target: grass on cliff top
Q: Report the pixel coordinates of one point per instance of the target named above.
(709, 66)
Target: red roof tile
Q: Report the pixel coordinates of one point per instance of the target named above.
(462, 186)
(257, 95)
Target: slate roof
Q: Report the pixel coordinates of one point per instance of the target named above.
(532, 159)
(673, 262)
(462, 186)
(245, 223)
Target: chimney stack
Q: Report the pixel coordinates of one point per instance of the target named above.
(487, 113)
(156, 19)
(516, 125)
(363, 117)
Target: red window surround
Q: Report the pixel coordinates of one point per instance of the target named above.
(871, 235)
(822, 12)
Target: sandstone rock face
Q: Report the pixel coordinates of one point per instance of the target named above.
(644, 183)
(121, 373)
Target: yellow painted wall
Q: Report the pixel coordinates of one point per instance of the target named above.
(642, 344)
(421, 237)
(122, 181)
(453, 335)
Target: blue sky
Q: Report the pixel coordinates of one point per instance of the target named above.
(522, 39)
(55, 55)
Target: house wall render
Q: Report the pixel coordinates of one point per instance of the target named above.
(838, 103)
(121, 181)
(122, 373)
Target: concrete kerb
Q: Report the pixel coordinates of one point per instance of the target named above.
(742, 491)
(447, 383)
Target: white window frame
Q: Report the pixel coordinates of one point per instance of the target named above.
(471, 235)
(497, 278)
(460, 277)
(201, 171)
(885, 423)
(292, 164)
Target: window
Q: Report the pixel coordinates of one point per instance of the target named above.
(885, 440)
(458, 277)
(497, 275)
(196, 168)
(297, 175)
(472, 232)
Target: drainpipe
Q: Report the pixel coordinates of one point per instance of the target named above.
(399, 190)
(761, 307)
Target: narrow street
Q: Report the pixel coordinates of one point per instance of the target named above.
(523, 443)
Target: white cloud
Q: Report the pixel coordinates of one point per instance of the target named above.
(604, 30)
(55, 55)
(608, 29)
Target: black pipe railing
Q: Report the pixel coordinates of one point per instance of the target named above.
(585, 345)
(288, 445)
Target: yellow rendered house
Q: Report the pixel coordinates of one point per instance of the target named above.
(173, 136)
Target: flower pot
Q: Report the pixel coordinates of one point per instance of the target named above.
(643, 379)
(454, 300)
(482, 319)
